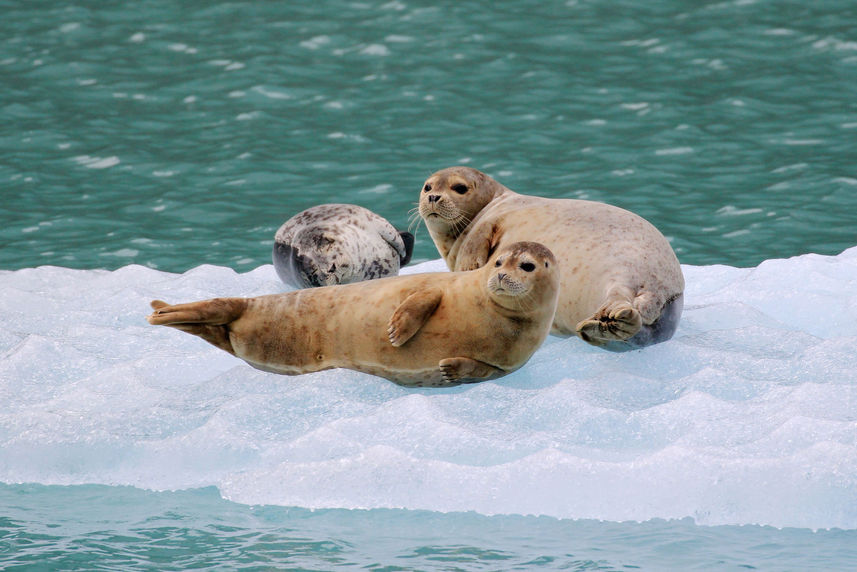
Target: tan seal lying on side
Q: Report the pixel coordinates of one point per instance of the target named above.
(428, 329)
(621, 284)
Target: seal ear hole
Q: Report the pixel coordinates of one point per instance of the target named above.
(427, 188)
(528, 266)
(459, 188)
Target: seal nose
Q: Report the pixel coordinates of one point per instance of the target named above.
(433, 198)
(500, 276)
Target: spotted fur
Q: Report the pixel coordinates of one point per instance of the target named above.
(338, 244)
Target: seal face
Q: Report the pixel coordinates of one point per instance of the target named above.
(432, 329)
(338, 244)
(621, 285)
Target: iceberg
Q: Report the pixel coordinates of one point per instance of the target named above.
(747, 416)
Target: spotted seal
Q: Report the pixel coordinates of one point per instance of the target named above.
(622, 285)
(338, 244)
(430, 329)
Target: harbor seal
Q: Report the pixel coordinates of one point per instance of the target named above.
(621, 286)
(431, 329)
(338, 244)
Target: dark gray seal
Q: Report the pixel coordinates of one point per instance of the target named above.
(335, 244)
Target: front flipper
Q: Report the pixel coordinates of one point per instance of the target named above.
(408, 239)
(478, 248)
(401, 241)
(466, 370)
(411, 314)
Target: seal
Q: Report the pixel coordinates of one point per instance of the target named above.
(338, 244)
(621, 286)
(431, 329)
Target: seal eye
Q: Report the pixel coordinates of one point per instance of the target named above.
(427, 188)
(497, 264)
(528, 266)
(459, 188)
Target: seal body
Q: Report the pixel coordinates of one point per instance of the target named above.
(429, 329)
(338, 244)
(621, 285)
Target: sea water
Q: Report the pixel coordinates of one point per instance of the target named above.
(150, 151)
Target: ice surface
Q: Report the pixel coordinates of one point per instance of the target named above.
(749, 415)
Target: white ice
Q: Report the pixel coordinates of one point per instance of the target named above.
(748, 415)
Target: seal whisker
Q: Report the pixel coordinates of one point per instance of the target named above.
(414, 219)
(461, 223)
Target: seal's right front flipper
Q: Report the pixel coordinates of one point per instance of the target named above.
(411, 314)
(208, 319)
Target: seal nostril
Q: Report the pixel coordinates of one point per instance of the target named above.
(433, 198)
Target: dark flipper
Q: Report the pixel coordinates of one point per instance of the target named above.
(408, 239)
(660, 331)
(287, 263)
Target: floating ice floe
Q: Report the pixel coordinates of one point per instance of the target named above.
(748, 415)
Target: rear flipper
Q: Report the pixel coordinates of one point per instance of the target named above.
(208, 319)
(465, 370)
(607, 333)
(614, 322)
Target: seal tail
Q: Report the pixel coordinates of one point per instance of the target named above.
(208, 319)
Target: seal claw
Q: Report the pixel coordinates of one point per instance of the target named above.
(616, 322)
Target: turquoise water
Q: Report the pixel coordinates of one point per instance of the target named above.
(176, 134)
(110, 528)
(180, 133)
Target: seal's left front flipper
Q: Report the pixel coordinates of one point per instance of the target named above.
(480, 246)
(465, 370)
(411, 314)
